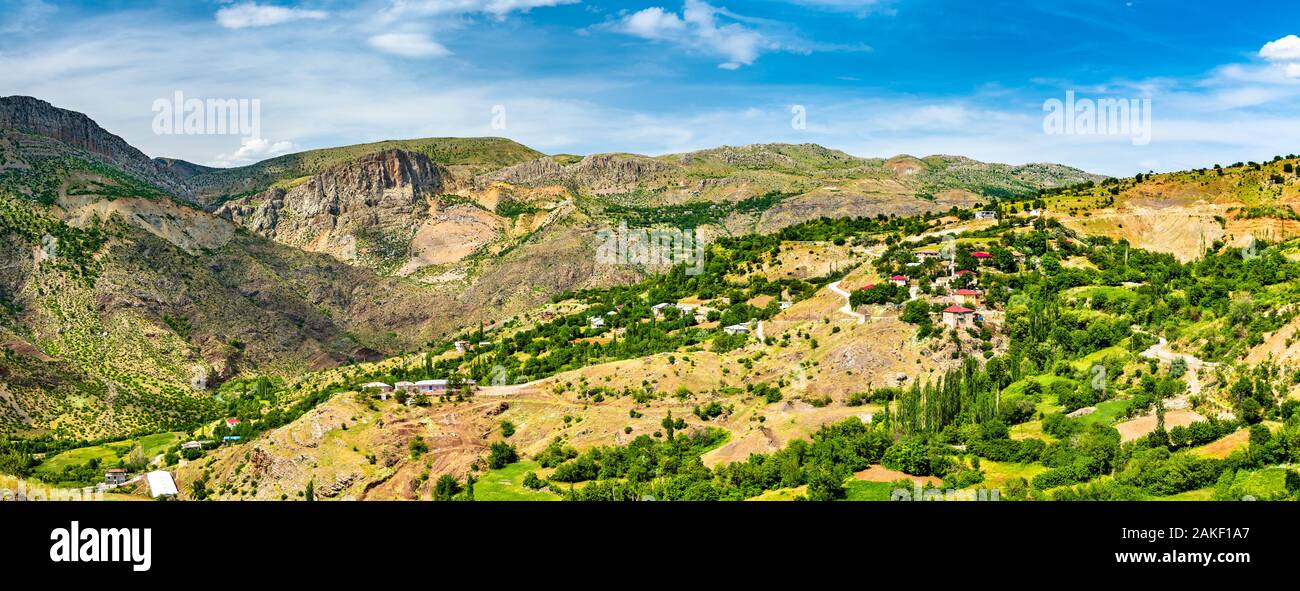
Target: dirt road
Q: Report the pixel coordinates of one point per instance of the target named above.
(848, 306)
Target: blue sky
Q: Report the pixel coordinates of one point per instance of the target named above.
(875, 77)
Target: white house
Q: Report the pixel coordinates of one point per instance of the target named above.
(986, 215)
(462, 346)
(384, 389)
(116, 477)
(658, 309)
(736, 329)
(926, 255)
(787, 305)
(405, 386)
(428, 386)
(596, 321)
(161, 484)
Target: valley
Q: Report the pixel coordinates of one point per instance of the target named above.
(855, 327)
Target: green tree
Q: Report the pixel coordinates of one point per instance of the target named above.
(501, 454)
(446, 488)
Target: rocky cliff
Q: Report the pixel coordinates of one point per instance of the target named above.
(27, 115)
(363, 211)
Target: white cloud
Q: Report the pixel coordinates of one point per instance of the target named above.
(654, 23)
(409, 45)
(252, 14)
(252, 150)
(1286, 49)
(497, 8)
(698, 28)
(1285, 54)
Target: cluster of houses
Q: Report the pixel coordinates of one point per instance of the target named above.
(467, 346)
(425, 387)
(966, 309)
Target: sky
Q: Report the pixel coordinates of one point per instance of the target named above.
(875, 78)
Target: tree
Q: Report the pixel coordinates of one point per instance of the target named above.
(446, 488)
(533, 482)
(669, 425)
(908, 456)
(1177, 367)
(418, 447)
(309, 494)
(507, 429)
(501, 454)
(136, 460)
(826, 481)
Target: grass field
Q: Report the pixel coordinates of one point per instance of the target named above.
(507, 484)
(1268, 484)
(1200, 494)
(997, 474)
(862, 490)
(781, 494)
(1030, 430)
(109, 453)
(1107, 412)
(1088, 361)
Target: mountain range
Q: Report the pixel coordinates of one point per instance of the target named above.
(130, 286)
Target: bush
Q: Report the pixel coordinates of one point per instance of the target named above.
(908, 456)
(418, 447)
(533, 482)
(502, 454)
(578, 470)
(555, 454)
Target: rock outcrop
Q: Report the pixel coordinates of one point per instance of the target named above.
(366, 210)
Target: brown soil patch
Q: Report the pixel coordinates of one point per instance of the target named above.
(1224, 447)
(878, 473)
(1137, 428)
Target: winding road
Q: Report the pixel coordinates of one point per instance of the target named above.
(1161, 352)
(848, 306)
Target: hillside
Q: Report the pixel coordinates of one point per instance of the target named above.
(876, 380)
(1186, 213)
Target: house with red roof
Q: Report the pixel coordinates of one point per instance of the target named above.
(899, 280)
(232, 423)
(979, 254)
(958, 317)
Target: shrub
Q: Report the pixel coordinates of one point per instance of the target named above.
(501, 454)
